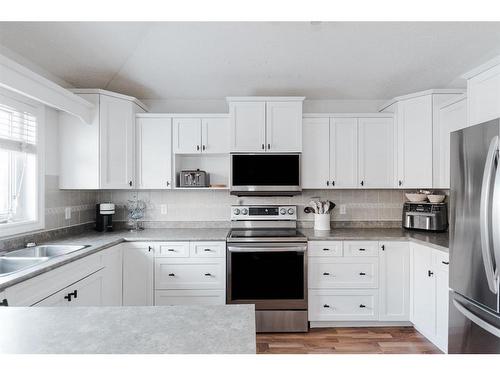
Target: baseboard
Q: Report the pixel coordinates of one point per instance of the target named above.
(359, 324)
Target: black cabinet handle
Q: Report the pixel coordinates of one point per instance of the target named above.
(445, 262)
(326, 306)
(326, 273)
(383, 247)
(362, 182)
(326, 249)
(168, 183)
(130, 183)
(333, 182)
(197, 147)
(73, 294)
(263, 147)
(68, 297)
(204, 147)
(327, 183)
(362, 274)
(4, 302)
(430, 273)
(268, 146)
(400, 182)
(150, 248)
(207, 250)
(208, 274)
(170, 249)
(171, 274)
(362, 249)
(362, 306)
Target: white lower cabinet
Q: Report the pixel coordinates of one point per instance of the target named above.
(344, 272)
(138, 274)
(394, 281)
(112, 260)
(189, 274)
(343, 305)
(190, 297)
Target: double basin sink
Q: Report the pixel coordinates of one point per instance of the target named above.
(19, 260)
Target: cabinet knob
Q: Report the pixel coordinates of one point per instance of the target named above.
(207, 249)
(4, 302)
(326, 249)
(171, 274)
(150, 248)
(168, 183)
(362, 249)
(430, 273)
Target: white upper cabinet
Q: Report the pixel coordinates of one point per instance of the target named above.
(316, 153)
(376, 152)
(344, 152)
(483, 92)
(187, 135)
(284, 126)
(154, 152)
(215, 135)
(452, 116)
(99, 155)
(266, 124)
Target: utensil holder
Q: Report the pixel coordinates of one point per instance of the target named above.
(321, 221)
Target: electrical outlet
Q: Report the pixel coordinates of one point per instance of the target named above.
(163, 209)
(343, 209)
(67, 213)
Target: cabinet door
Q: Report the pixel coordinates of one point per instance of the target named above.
(284, 126)
(248, 126)
(186, 135)
(316, 153)
(441, 267)
(376, 152)
(483, 96)
(86, 292)
(117, 142)
(215, 135)
(344, 152)
(415, 140)
(423, 287)
(154, 153)
(112, 261)
(452, 117)
(394, 289)
(138, 274)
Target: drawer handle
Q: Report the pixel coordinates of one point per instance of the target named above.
(171, 274)
(208, 250)
(170, 249)
(362, 306)
(326, 249)
(362, 249)
(208, 274)
(445, 262)
(326, 273)
(150, 248)
(362, 274)
(430, 273)
(326, 306)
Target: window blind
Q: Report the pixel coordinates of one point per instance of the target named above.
(17, 130)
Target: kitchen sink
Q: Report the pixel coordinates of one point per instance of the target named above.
(10, 265)
(44, 251)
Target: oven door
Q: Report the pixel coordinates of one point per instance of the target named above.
(273, 276)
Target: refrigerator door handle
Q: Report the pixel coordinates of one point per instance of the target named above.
(477, 320)
(484, 217)
(495, 218)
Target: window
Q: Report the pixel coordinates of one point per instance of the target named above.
(21, 185)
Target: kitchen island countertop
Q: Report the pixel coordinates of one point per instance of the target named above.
(129, 330)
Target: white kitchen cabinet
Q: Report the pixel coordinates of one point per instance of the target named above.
(394, 292)
(186, 135)
(85, 292)
(441, 269)
(189, 297)
(344, 152)
(112, 260)
(376, 152)
(154, 152)
(361, 249)
(452, 116)
(266, 124)
(316, 153)
(343, 305)
(343, 273)
(248, 126)
(215, 135)
(324, 248)
(483, 93)
(99, 155)
(138, 274)
(171, 273)
(284, 126)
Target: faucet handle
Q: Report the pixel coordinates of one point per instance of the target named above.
(30, 244)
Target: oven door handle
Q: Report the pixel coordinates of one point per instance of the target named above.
(267, 249)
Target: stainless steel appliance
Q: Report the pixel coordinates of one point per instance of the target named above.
(474, 309)
(267, 266)
(425, 216)
(265, 174)
(193, 178)
(104, 217)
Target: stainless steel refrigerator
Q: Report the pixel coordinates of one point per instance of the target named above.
(474, 315)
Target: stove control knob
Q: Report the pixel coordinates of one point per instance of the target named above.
(244, 211)
(283, 211)
(236, 211)
(291, 211)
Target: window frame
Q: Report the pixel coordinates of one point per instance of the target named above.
(38, 110)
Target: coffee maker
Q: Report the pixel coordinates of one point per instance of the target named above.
(104, 217)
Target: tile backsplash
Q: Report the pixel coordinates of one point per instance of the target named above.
(202, 206)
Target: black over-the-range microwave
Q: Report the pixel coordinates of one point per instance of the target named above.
(265, 174)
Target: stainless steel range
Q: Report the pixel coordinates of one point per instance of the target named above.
(267, 266)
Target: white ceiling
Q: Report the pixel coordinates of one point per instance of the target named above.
(329, 60)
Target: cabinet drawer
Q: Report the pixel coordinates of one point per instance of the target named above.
(361, 248)
(324, 248)
(203, 274)
(211, 249)
(343, 273)
(343, 305)
(172, 250)
(189, 297)
(441, 258)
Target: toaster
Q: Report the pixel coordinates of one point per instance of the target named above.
(193, 178)
(425, 216)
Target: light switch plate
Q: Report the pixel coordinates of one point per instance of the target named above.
(163, 209)
(67, 213)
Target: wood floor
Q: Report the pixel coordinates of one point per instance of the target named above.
(377, 340)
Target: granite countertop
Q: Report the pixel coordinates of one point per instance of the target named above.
(129, 330)
(439, 241)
